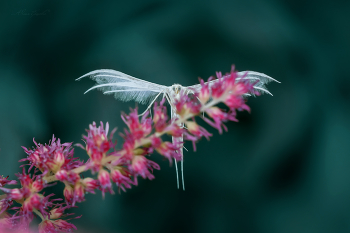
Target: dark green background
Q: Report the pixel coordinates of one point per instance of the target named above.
(283, 168)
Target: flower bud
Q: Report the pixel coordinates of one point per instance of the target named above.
(56, 213)
(59, 160)
(79, 192)
(103, 177)
(68, 193)
(90, 184)
(61, 175)
(16, 194)
(37, 186)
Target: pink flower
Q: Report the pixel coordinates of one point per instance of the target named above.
(37, 186)
(90, 184)
(204, 93)
(138, 130)
(4, 181)
(142, 166)
(122, 178)
(186, 105)
(68, 193)
(62, 175)
(79, 192)
(219, 117)
(15, 194)
(170, 150)
(5, 204)
(52, 226)
(129, 144)
(236, 102)
(52, 157)
(97, 141)
(196, 133)
(219, 87)
(105, 182)
(174, 130)
(160, 116)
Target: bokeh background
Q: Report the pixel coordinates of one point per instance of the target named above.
(283, 168)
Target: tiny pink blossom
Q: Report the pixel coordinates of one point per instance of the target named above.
(121, 178)
(90, 184)
(160, 116)
(62, 175)
(37, 186)
(142, 166)
(204, 93)
(236, 102)
(4, 181)
(15, 194)
(79, 192)
(68, 193)
(170, 151)
(105, 182)
(52, 226)
(219, 117)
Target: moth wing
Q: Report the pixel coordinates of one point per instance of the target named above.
(251, 76)
(124, 87)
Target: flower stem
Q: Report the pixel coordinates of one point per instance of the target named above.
(144, 141)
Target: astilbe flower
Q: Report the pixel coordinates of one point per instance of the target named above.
(55, 161)
(51, 157)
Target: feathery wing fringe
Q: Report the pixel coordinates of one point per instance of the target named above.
(252, 76)
(123, 86)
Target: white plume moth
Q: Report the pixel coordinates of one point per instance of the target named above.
(125, 88)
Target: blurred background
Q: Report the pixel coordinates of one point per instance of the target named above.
(283, 168)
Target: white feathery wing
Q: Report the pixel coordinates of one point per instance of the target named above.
(124, 87)
(252, 76)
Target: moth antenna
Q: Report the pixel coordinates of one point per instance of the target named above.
(177, 174)
(185, 148)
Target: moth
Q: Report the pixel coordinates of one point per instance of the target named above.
(126, 88)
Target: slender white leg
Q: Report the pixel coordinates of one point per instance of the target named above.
(182, 172)
(149, 106)
(177, 174)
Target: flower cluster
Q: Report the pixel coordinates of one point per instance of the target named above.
(55, 161)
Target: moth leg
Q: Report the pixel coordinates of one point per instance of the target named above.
(149, 106)
(177, 174)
